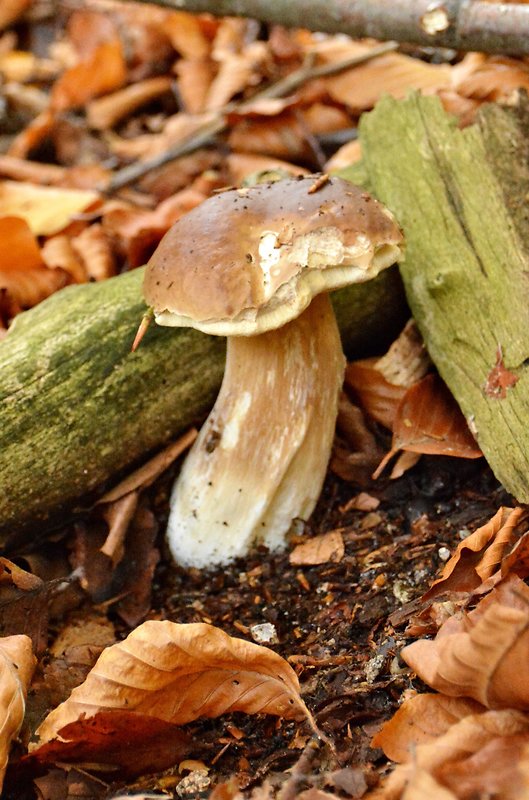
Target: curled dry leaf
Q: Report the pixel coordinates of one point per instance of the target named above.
(472, 740)
(419, 720)
(483, 655)
(377, 396)
(429, 421)
(23, 276)
(479, 555)
(178, 673)
(17, 663)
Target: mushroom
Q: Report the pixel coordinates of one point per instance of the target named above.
(247, 264)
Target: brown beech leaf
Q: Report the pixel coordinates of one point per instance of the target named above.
(178, 673)
(464, 743)
(407, 360)
(319, 550)
(377, 396)
(479, 555)
(429, 421)
(421, 719)
(483, 655)
(17, 663)
(121, 742)
(361, 87)
(103, 71)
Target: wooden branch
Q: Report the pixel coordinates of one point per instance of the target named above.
(204, 135)
(78, 407)
(461, 197)
(459, 24)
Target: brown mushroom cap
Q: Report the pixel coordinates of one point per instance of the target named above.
(249, 260)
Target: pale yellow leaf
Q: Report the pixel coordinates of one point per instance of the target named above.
(47, 210)
(178, 673)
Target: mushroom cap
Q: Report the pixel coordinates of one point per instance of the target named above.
(249, 260)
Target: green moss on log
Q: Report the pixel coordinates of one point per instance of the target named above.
(78, 408)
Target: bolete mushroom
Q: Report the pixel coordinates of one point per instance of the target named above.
(247, 264)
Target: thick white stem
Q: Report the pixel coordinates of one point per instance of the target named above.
(260, 459)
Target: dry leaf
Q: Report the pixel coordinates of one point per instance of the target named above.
(379, 398)
(454, 750)
(103, 71)
(58, 252)
(194, 79)
(241, 165)
(429, 421)
(17, 663)
(105, 112)
(394, 73)
(419, 720)
(407, 360)
(93, 247)
(483, 655)
(178, 673)
(236, 73)
(479, 555)
(47, 210)
(355, 451)
(23, 275)
(118, 741)
(328, 547)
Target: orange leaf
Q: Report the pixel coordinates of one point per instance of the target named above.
(429, 421)
(379, 398)
(483, 656)
(478, 556)
(319, 550)
(470, 741)
(421, 719)
(103, 71)
(178, 673)
(22, 272)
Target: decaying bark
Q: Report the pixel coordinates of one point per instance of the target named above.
(460, 24)
(461, 197)
(77, 407)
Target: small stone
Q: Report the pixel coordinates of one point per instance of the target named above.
(374, 667)
(443, 553)
(264, 634)
(194, 785)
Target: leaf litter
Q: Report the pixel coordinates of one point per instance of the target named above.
(90, 100)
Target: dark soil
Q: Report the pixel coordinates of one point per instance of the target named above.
(331, 623)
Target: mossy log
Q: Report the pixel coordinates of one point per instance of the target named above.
(461, 197)
(78, 408)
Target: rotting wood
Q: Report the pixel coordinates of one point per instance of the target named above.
(458, 24)
(77, 407)
(461, 197)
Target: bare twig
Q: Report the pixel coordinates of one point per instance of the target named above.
(459, 24)
(208, 131)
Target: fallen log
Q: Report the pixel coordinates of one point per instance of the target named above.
(77, 407)
(461, 197)
(459, 24)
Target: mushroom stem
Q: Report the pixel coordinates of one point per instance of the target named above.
(260, 459)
